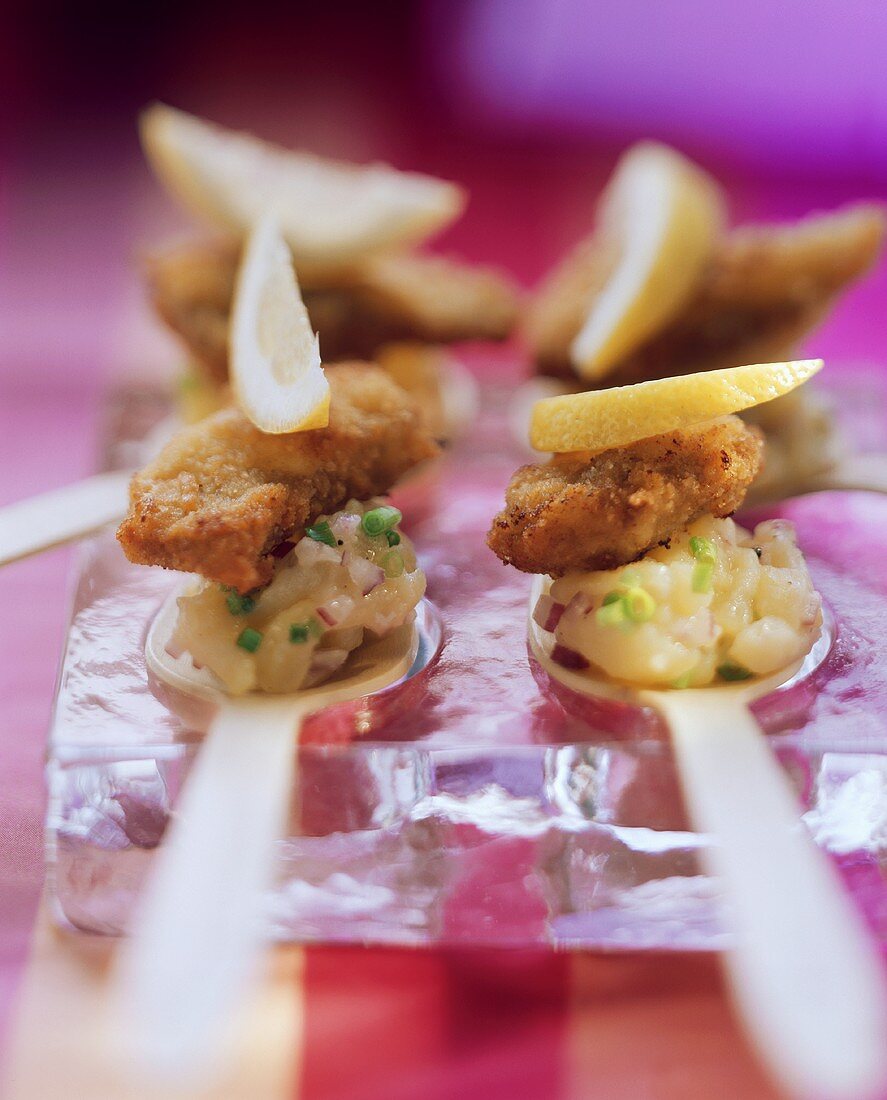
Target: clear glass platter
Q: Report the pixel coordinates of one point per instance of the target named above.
(472, 804)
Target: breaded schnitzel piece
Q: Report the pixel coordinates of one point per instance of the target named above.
(192, 288)
(387, 299)
(222, 495)
(766, 288)
(584, 513)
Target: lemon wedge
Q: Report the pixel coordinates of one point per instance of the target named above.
(274, 355)
(331, 214)
(663, 216)
(601, 419)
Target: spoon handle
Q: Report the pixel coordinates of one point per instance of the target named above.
(61, 515)
(856, 471)
(804, 972)
(198, 934)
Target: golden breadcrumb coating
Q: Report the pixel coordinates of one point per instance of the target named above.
(387, 299)
(222, 495)
(581, 512)
(192, 288)
(766, 288)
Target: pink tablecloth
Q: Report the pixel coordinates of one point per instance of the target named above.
(47, 437)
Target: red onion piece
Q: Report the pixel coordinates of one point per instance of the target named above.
(336, 610)
(365, 574)
(311, 552)
(580, 604)
(547, 613)
(568, 658)
(345, 527)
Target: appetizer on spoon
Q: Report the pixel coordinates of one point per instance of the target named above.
(650, 592)
(333, 625)
(307, 598)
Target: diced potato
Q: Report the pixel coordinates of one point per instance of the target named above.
(754, 606)
(317, 609)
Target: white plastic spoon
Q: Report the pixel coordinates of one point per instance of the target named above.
(197, 935)
(805, 974)
(62, 515)
(851, 473)
(865, 471)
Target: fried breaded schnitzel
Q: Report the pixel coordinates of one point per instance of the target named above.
(222, 495)
(387, 299)
(584, 513)
(766, 288)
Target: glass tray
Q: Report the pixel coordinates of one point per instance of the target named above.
(475, 804)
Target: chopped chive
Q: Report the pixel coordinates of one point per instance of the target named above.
(250, 639)
(702, 574)
(299, 632)
(703, 550)
(378, 520)
(612, 610)
(729, 670)
(322, 532)
(639, 605)
(239, 605)
(682, 681)
(393, 564)
(393, 538)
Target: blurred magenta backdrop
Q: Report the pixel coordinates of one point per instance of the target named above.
(527, 102)
(793, 84)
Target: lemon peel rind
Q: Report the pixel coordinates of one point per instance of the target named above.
(601, 419)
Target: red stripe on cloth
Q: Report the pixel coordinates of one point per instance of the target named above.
(396, 1025)
(658, 1028)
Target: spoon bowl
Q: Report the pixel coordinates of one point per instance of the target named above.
(804, 973)
(197, 935)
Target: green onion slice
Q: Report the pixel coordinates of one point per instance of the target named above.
(703, 549)
(250, 639)
(702, 574)
(378, 520)
(393, 564)
(731, 671)
(240, 605)
(639, 605)
(322, 532)
(612, 610)
(301, 632)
